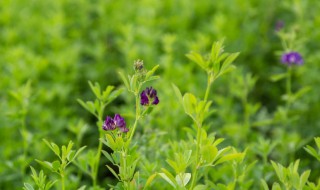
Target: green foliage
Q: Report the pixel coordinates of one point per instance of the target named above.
(40, 181)
(313, 151)
(65, 154)
(289, 177)
(231, 129)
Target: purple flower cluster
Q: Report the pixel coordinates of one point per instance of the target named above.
(113, 123)
(292, 58)
(279, 25)
(149, 96)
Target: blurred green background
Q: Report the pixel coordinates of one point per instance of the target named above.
(59, 45)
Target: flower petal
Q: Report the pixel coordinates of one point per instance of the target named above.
(108, 124)
(119, 121)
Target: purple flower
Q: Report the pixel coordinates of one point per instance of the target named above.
(108, 124)
(117, 121)
(149, 96)
(292, 58)
(279, 25)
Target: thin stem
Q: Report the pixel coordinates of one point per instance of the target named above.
(97, 160)
(124, 157)
(198, 141)
(25, 143)
(209, 82)
(137, 117)
(284, 45)
(195, 169)
(126, 181)
(246, 114)
(288, 87)
(62, 181)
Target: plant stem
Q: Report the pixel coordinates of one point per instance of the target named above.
(246, 114)
(288, 88)
(25, 143)
(209, 82)
(62, 181)
(198, 141)
(127, 178)
(97, 159)
(137, 117)
(195, 169)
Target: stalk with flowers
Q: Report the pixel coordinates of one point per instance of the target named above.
(124, 156)
(204, 154)
(291, 58)
(96, 108)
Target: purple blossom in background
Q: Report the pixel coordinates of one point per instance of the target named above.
(279, 25)
(108, 124)
(291, 58)
(117, 121)
(149, 96)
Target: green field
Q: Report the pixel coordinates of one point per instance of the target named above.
(234, 103)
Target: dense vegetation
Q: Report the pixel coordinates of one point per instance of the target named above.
(233, 111)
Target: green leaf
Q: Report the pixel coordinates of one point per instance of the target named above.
(151, 72)
(56, 165)
(209, 153)
(277, 77)
(70, 155)
(229, 157)
(83, 187)
(304, 178)
(197, 58)
(149, 180)
(296, 166)
(53, 147)
(50, 184)
(165, 177)
(227, 70)
(190, 104)
(200, 187)
(27, 186)
(218, 141)
(276, 186)
(183, 178)
(279, 170)
(109, 157)
(56, 149)
(34, 173)
(300, 93)
(151, 78)
(221, 153)
(114, 95)
(107, 92)
(64, 151)
(178, 93)
(187, 155)
(229, 60)
(317, 140)
(89, 106)
(95, 89)
(46, 164)
(173, 164)
(169, 176)
(264, 184)
(78, 152)
(113, 172)
(133, 83)
(69, 147)
(216, 50)
(125, 80)
(222, 57)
